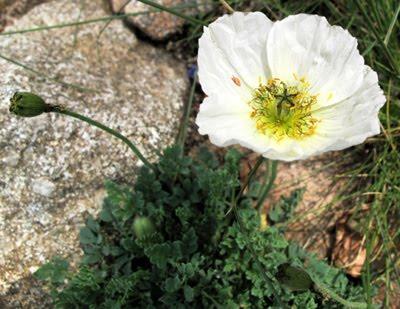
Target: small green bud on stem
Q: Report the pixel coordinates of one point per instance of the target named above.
(26, 104)
(143, 227)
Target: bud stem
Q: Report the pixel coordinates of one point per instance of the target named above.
(101, 126)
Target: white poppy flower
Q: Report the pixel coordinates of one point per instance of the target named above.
(287, 89)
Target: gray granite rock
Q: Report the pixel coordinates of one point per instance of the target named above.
(10, 10)
(52, 168)
(159, 25)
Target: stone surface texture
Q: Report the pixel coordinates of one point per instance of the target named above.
(159, 25)
(52, 168)
(10, 10)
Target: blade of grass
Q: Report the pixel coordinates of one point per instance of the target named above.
(181, 138)
(178, 7)
(385, 49)
(227, 7)
(78, 23)
(46, 77)
(392, 24)
(172, 11)
(109, 21)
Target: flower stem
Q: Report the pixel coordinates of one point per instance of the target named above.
(268, 184)
(249, 177)
(101, 126)
(269, 279)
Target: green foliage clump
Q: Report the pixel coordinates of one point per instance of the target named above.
(172, 242)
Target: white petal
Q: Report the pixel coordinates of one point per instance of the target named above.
(327, 56)
(291, 149)
(234, 46)
(353, 120)
(227, 122)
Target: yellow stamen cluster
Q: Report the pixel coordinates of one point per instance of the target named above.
(284, 111)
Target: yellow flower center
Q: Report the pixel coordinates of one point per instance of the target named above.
(284, 111)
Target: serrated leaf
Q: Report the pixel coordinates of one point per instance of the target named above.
(188, 293)
(92, 224)
(105, 214)
(279, 242)
(54, 271)
(158, 254)
(92, 258)
(189, 242)
(172, 284)
(86, 236)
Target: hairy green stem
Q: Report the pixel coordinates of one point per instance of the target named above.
(326, 291)
(272, 171)
(249, 177)
(101, 126)
(268, 277)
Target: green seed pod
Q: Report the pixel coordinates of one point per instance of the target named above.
(294, 278)
(26, 104)
(143, 227)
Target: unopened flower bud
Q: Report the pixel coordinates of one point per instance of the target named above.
(143, 227)
(26, 104)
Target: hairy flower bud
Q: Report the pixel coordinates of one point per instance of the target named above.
(26, 104)
(143, 227)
